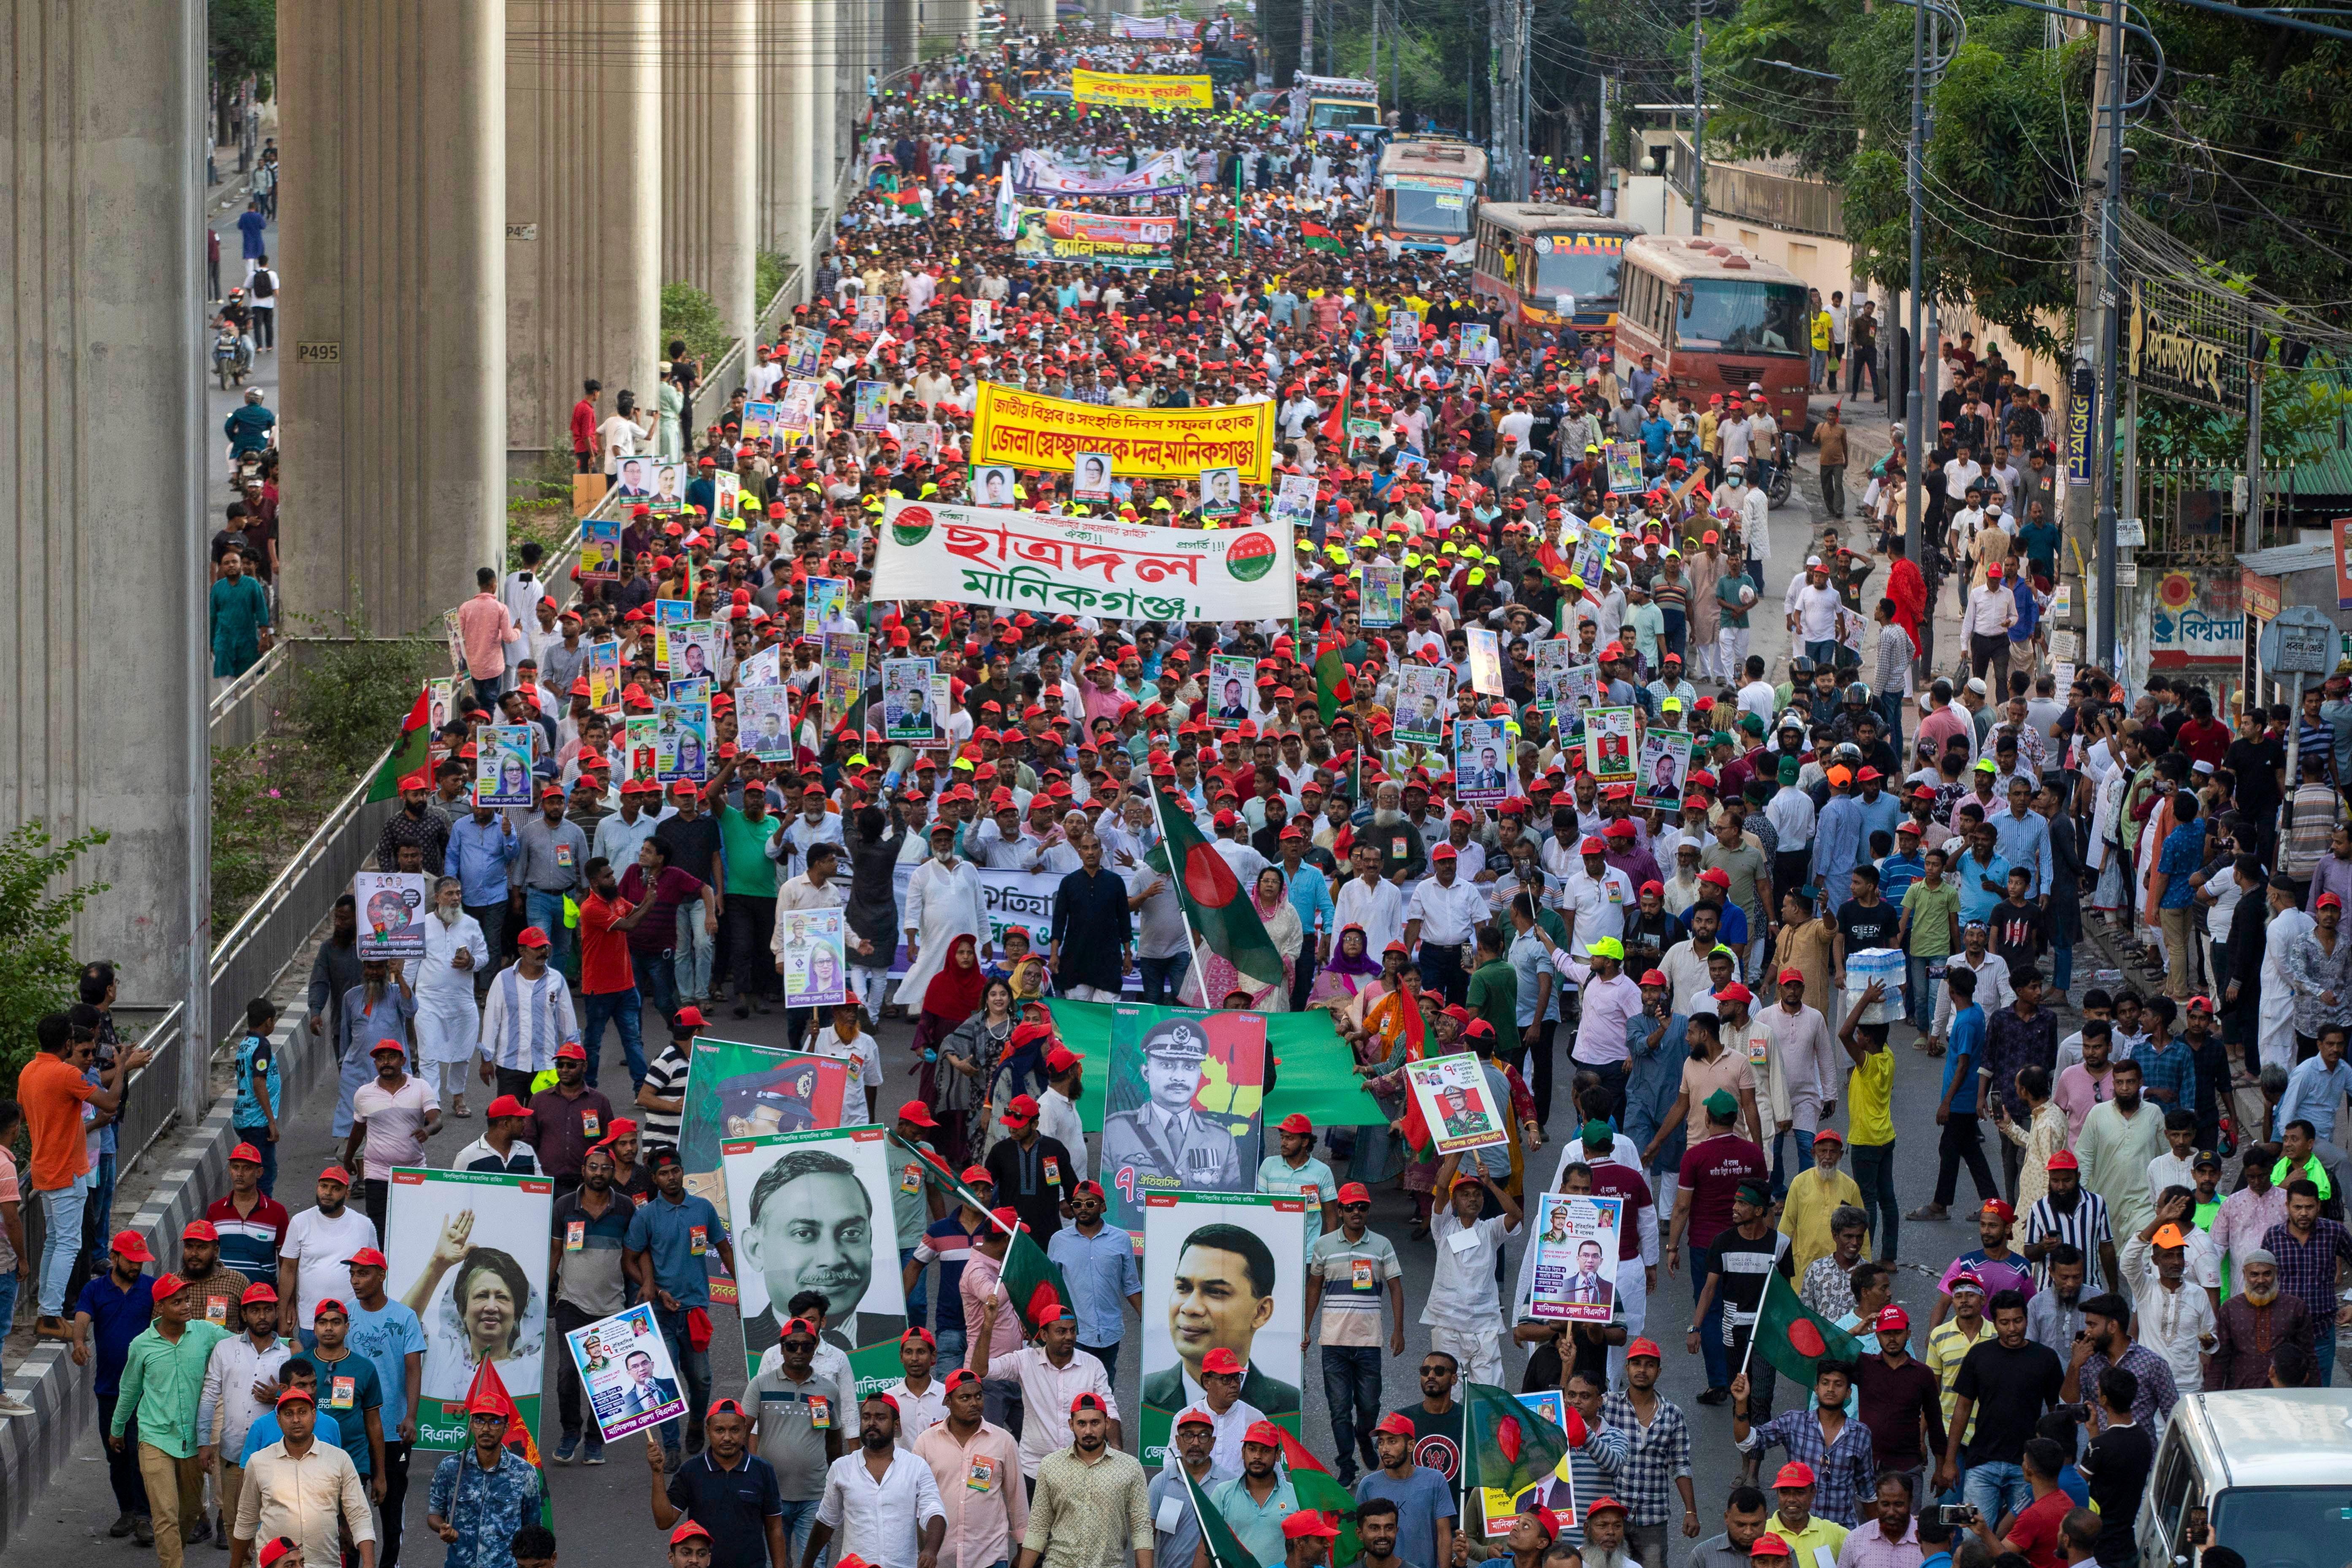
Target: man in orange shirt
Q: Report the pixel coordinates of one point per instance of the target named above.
(52, 1090)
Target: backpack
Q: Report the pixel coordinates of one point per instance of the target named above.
(265, 286)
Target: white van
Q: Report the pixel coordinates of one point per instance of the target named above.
(2270, 1470)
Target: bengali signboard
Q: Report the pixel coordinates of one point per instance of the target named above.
(932, 550)
(1029, 431)
(1106, 239)
(1142, 92)
(1038, 173)
(2185, 342)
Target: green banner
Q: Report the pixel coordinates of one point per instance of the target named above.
(1314, 1071)
(738, 1090)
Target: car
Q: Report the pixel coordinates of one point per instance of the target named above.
(1267, 102)
(2268, 1472)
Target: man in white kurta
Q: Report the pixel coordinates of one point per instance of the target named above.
(2276, 1042)
(448, 1024)
(943, 902)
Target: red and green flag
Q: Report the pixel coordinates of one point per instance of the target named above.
(1794, 1338)
(489, 1385)
(1332, 691)
(1215, 903)
(410, 755)
(1318, 1488)
(1225, 1550)
(1315, 237)
(1032, 1281)
(1509, 1447)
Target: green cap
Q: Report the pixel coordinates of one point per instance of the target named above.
(1597, 1135)
(1720, 1105)
(1752, 723)
(1787, 770)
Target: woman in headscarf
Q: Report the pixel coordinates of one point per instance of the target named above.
(1395, 1031)
(1351, 968)
(966, 1061)
(949, 997)
(1270, 897)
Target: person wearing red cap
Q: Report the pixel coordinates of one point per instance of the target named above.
(239, 1365)
(163, 1382)
(1092, 1501)
(313, 1260)
(1297, 1173)
(415, 826)
(528, 1015)
(218, 1290)
(1259, 1504)
(302, 1488)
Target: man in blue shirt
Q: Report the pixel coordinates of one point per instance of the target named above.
(388, 1333)
(1980, 875)
(669, 1236)
(2175, 894)
(2316, 1085)
(1098, 1263)
(1838, 842)
(1897, 871)
(119, 1305)
(481, 848)
(1956, 1109)
(2022, 836)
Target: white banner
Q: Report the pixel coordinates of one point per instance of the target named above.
(1035, 172)
(1115, 570)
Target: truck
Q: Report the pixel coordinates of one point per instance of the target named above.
(1331, 105)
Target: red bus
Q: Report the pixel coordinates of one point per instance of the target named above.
(1714, 316)
(1533, 257)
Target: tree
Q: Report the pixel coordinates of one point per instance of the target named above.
(243, 44)
(38, 971)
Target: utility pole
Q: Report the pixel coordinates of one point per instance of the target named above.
(2257, 350)
(2090, 541)
(1915, 431)
(1604, 196)
(1698, 118)
(1524, 139)
(1307, 36)
(2109, 313)
(1495, 113)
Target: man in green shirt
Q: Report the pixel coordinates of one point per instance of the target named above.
(240, 618)
(746, 833)
(1493, 993)
(1931, 931)
(163, 1380)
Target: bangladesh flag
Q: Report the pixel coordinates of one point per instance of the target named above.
(1334, 431)
(1215, 903)
(1331, 687)
(1225, 1550)
(407, 757)
(1318, 1488)
(488, 1384)
(1507, 1447)
(1316, 237)
(1032, 1282)
(1794, 1338)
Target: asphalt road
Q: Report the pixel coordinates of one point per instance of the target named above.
(598, 1508)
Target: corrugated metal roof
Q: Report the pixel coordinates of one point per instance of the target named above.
(2281, 560)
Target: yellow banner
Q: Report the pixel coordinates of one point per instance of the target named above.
(1142, 92)
(1033, 432)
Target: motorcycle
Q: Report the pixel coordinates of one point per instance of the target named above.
(232, 360)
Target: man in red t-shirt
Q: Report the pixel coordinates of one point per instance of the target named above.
(583, 429)
(2035, 1532)
(608, 984)
(52, 1088)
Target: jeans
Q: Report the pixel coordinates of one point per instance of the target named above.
(951, 1347)
(567, 1381)
(1890, 710)
(1762, 1381)
(1781, 1164)
(1873, 1172)
(696, 943)
(1833, 488)
(657, 984)
(799, 1518)
(259, 1136)
(1162, 978)
(2062, 973)
(692, 1364)
(8, 1288)
(2323, 1353)
(1994, 1489)
(1000, 1403)
(751, 926)
(60, 1241)
(1710, 1327)
(1442, 971)
(1106, 1354)
(620, 1009)
(1352, 1387)
(97, 1227)
(1919, 994)
(545, 911)
(918, 1299)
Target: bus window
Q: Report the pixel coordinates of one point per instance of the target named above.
(1587, 273)
(1724, 314)
(1431, 211)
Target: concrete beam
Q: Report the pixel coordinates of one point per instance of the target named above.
(710, 156)
(787, 125)
(102, 117)
(582, 212)
(393, 331)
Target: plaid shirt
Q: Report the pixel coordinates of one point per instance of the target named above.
(1844, 1470)
(2306, 1270)
(2011, 1043)
(2152, 1406)
(2173, 1068)
(1655, 1456)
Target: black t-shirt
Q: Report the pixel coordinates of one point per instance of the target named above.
(734, 1505)
(2252, 762)
(2009, 1390)
(1436, 1439)
(1871, 926)
(1592, 1356)
(692, 845)
(1743, 1265)
(2117, 1469)
(2017, 932)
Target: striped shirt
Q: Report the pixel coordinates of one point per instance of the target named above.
(2083, 1227)
(249, 1243)
(667, 1079)
(525, 1020)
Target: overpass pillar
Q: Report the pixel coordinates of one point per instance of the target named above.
(712, 156)
(787, 125)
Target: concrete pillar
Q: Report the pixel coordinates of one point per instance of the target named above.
(582, 213)
(102, 119)
(711, 153)
(898, 43)
(787, 126)
(825, 118)
(395, 325)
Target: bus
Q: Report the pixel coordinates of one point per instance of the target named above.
(1329, 105)
(1714, 316)
(1428, 195)
(1533, 256)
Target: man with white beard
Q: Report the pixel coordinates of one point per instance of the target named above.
(1060, 855)
(448, 1021)
(1605, 1535)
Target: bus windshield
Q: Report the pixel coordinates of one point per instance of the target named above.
(1746, 318)
(1333, 113)
(1431, 205)
(1585, 267)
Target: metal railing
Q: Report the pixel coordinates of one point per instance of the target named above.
(2196, 515)
(1786, 202)
(241, 713)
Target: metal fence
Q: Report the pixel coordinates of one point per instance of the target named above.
(2196, 514)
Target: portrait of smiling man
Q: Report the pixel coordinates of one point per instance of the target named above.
(1221, 1295)
(811, 1227)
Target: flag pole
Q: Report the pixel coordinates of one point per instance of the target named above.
(1192, 942)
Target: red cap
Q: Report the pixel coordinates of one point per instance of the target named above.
(1789, 976)
(1596, 847)
(1307, 1523)
(1355, 1193)
(259, 1290)
(2064, 1160)
(2330, 902)
(916, 1112)
(506, 1105)
(1196, 1415)
(366, 1258)
(1715, 878)
(132, 1246)
(1769, 1544)
(1023, 1109)
(690, 1018)
(571, 1051)
(168, 1286)
(531, 937)
(687, 1530)
(1395, 1421)
(246, 1153)
(1265, 1432)
(1735, 992)
(1222, 1361)
(275, 1549)
(199, 1230)
(1995, 1207)
(1089, 1401)
(1061, 1059)
(1645, 1348)
(1892, 1320)
(1297, 1122)
(336, 1173)
(297, 1395)
(1795, 1473)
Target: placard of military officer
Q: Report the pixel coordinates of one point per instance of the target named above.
(1184, 1110)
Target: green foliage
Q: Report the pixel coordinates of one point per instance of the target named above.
(770, 278)
(350, 698)
(244, 40)
(37, 969)
(687, 313)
